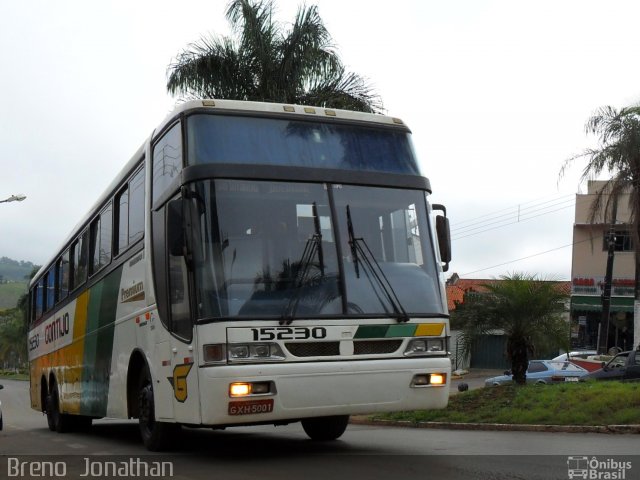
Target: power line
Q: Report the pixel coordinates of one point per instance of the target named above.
(527, 257)
(516, 211)
(519, 220)
(518, 207)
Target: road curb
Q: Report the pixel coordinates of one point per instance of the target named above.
(610, 429)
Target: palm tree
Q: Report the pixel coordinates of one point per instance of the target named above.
(526, 309)
(266, 63)
(617, 155)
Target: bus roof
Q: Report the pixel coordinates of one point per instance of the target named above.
(280, 109)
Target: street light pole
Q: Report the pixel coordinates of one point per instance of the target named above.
(14, 198)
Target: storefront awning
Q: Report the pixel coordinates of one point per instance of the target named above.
(584, 303)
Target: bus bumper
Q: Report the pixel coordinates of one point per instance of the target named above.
(309, 389)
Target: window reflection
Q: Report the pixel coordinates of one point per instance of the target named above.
(261, 251)
(391, 225)
(239, 140)
(265, 249)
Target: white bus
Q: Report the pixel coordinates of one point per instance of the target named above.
(253, 263)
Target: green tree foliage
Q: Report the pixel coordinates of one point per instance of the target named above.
(14, 326)
(617, 155)
(528, 310)
(265, 62)
(13, 339)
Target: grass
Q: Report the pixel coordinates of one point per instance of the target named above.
(10, 292)
(585, 403)
(12, 375)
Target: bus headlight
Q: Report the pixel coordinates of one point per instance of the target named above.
(254, 352)
(429, 380)
(425, 346)
(245, 389)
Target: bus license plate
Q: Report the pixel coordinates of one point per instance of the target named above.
(251, 407)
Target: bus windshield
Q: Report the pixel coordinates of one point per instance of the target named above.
(267, 249)
(284, 142)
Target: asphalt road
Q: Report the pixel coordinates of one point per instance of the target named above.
(266, 452)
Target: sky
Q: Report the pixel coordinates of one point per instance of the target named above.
(496, 94)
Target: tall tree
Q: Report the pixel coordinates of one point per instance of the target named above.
(265, 62)
(528, 310)
(617, 155)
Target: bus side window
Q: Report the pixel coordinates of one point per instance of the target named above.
(79, 261)
(129, 213)
(63, 276)
(101, 229)
(136, 207)
(50, 285)
(167, 161)
(32, 304)
(121, 222)
(39, 291)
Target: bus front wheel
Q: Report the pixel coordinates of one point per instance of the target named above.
(156, 436)
(325, 428)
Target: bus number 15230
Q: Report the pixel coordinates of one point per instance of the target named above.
(288, 333)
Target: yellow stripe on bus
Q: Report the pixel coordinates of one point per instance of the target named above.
(73, 357)
(429, 330)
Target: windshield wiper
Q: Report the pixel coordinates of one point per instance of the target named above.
(311, 248)
(360, 249)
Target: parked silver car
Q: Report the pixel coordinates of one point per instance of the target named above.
(543, 372)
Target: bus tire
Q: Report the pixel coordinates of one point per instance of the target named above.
(325, 428)
(156, 436)
(58, 422)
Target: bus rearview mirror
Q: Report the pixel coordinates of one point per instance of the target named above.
(443, 233)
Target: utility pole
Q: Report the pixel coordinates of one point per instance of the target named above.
(606, 294)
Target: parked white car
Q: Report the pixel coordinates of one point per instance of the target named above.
(583, 354)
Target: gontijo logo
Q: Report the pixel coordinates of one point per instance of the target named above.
(57, 329)
(52, 334)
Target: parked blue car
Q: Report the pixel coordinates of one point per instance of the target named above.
(543, 372)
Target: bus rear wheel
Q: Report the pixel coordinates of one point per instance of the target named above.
(325, 428)
(58, 422)
(156, 436)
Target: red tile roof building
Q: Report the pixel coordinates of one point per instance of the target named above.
(456, 288)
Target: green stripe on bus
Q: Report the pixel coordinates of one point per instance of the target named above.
(401, 331)
(371, 331)
(98, 349)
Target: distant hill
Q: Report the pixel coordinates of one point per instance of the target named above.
(14, 270)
